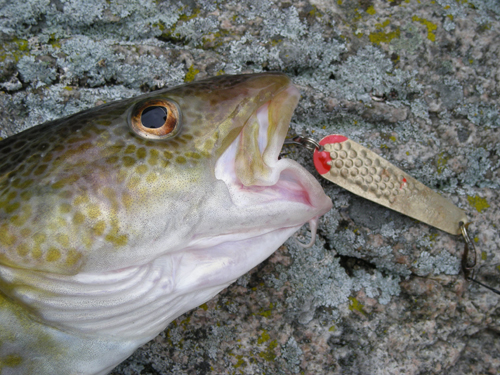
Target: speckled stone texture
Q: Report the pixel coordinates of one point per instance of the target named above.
(378, 293)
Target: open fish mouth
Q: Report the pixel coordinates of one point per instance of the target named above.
(257, 177)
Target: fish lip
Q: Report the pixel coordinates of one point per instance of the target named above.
(284, 179)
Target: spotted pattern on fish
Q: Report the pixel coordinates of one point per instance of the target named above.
(49, 160)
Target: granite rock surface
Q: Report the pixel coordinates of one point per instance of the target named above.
(418, 82)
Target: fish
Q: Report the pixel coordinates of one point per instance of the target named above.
(116, 220)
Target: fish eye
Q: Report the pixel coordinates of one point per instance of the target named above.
(156, 119)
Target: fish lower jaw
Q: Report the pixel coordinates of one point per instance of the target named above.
(295, 195)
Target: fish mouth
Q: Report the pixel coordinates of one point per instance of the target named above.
(258, 179)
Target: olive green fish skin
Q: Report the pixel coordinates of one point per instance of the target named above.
(106, 237)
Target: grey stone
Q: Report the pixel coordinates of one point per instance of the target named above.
(387, 294)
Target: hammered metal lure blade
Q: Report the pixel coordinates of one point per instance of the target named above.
(364, 173)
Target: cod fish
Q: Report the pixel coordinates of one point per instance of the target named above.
(116, 220)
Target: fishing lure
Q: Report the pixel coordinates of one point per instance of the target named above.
(364, 173)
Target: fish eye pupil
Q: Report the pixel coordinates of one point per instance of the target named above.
(154, 117)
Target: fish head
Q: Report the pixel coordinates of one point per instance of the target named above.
(95, 192)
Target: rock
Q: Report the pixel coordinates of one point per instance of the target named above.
(378, 293)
